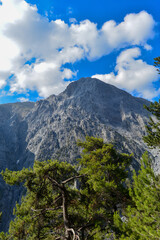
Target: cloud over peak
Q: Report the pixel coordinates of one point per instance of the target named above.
(26, 35)
(132, 74)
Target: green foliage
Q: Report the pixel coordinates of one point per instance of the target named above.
(54, 209)
(40, 213)
(153, 127)
(142, 218)
(105, 171)
(157, 63)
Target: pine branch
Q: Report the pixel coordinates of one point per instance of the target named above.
(72, 178)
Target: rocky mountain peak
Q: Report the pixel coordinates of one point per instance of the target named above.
(89, 85)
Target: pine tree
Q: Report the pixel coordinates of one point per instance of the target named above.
(104, 190)
(54, 209)
(153, 127)
(47, 210)
(142, 218)
(157, 63)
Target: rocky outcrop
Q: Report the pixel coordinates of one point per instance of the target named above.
(50, 128)
(86, 107)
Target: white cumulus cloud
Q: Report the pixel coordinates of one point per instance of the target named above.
(26, 35)
(132, 74)
(22, 99)
(45, 77)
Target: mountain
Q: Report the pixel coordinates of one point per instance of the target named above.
(50, 128)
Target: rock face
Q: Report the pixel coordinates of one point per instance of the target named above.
(50, 128)
(13, 130)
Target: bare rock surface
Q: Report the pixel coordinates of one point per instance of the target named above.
(49, 129)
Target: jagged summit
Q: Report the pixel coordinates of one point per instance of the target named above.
(86, 91)
(91, 85)
(100, 99)
(96, 86)
(84, 85)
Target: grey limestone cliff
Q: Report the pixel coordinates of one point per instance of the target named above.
(50, 128)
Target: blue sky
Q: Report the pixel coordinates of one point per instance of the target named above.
(45, 45)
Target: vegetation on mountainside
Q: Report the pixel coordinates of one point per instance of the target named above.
(141, 220)
(153, 128)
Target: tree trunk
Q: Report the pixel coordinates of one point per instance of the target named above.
(68, 234)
